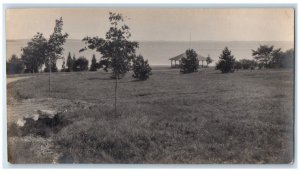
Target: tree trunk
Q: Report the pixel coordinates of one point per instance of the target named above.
(49, 77)
(116, 87)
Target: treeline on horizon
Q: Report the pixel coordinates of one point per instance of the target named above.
(267, 57)
(118, 53)
(41, 52)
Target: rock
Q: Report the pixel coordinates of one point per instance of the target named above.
(21, 122)
(41, 114)
(46, 114)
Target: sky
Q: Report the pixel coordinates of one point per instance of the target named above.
(159, 24)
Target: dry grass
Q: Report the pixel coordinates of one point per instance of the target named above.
(204, 117)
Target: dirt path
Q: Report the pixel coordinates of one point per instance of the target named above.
(10, 80)
(41, 147)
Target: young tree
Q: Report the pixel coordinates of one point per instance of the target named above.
(116, 48)
(14, 65)
(190, 63)
(94, 64)
(141, 68)
(35, 53)
(208, 60)
(39, 51)
(69, 63)
(226, 62)
(81, 64)
(265, 54)
(55, 45)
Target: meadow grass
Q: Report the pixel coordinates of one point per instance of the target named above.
(204, 117)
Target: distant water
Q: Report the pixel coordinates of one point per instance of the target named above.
(159, 52)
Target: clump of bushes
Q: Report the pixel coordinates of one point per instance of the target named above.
(141, 68)
(81, 64)
(245, 64)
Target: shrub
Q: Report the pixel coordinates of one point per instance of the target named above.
(226, 62)
(190, 63)
(248, 64)
(237, 65)
(141, 68)
(14, 65)
(81, 64)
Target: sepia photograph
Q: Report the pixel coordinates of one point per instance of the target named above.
(159, 85)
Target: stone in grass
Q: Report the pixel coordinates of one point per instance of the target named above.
(41, 114)
(46, 114)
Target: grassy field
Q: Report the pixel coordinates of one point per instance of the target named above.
(203, 117)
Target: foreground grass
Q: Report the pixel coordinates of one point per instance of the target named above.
(204, 117)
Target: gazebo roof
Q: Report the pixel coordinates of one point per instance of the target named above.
(183, 55)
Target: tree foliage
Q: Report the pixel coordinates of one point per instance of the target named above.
(35, 53)
(238, 65)
(55, 45)
(283, 59)
(94, 65)
(69, 63)
(141, 68)
(14, 65)
(208, 60)
(39, 51)
(248, 64)
(117, 51)
(190, 63)
(265, 54)
(81, 64)
(226, 61)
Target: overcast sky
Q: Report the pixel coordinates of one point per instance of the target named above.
(159, 24)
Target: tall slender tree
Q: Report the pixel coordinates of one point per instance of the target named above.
(55, 45)
(94, 64)
(116, 48)
(69, 63)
